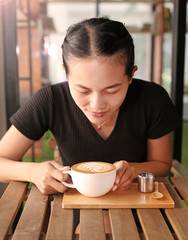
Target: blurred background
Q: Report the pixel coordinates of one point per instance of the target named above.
(31, 34)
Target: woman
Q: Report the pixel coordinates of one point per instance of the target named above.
(100, 113)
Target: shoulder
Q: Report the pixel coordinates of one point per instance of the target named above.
(148, 96)
(60, 89)
(51, 92)
(147, 89)
(54, 88)
(145, 85)
(59, 86)
(160, 116)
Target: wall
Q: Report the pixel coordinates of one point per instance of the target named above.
(36, 60)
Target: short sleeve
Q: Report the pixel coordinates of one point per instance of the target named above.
(162, 115)
(35, 117)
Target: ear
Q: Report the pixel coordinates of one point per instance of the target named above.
(63, 67)
(133, 72)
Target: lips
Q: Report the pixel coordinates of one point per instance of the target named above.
(98, 114)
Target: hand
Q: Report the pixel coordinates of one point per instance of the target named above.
(47, 176)
(124, 177)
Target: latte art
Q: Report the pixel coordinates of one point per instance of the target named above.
(93, 167)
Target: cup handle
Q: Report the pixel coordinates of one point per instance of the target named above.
(70, 185)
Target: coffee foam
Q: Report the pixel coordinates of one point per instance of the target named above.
(93, 167)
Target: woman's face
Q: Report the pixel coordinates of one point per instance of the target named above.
(98, 87)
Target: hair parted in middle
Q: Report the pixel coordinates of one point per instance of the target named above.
(99, 37)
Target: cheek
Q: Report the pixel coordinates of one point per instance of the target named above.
(116, 101)
(79, 100)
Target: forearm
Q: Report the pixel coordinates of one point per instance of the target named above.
(158, 168)
(15, 170)
(47, 176)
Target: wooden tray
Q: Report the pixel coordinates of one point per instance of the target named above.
(131, 198)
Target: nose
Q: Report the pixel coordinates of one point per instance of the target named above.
(97, 102)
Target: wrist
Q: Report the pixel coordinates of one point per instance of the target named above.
(30, 171)
(135, 171)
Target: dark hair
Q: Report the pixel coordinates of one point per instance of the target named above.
(99, 37)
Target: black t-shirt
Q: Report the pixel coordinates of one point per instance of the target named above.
(146, 113)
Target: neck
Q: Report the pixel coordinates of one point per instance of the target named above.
(110, 121)
(99, 126)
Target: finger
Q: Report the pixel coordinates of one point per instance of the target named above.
(124, 188)
(126, 177)
(61, 169)
(59, 166)
(52, 187)
(125, 185)
(58, 186)
(119, 174)
(57, 174)
(121, 168)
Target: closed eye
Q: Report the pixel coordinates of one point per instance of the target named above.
(112, 92)
(84, 92)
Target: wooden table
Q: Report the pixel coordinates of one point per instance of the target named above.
(44, 218)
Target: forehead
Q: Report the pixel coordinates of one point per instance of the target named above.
(96, 72)
(117, 59)
(96, 61)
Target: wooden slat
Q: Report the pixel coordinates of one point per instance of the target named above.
(178, 169)
(178, 216)
(9, 205)
(92, 224)
(172, 192)
(61, 221)
(154, 225)
(181, 184)
(31, 221)
(123, 225)
(178, 219)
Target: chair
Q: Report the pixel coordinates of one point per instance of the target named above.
(178, 169)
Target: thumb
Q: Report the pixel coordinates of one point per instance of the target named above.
(121, 168)
(59, 166)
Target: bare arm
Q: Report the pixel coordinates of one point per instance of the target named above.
(46, 175)
(12, 147)
(159, 157)
(159, 161)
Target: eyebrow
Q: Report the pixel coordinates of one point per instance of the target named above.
(109, 87)
(114, 85)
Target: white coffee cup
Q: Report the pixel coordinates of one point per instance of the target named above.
(92, 179)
